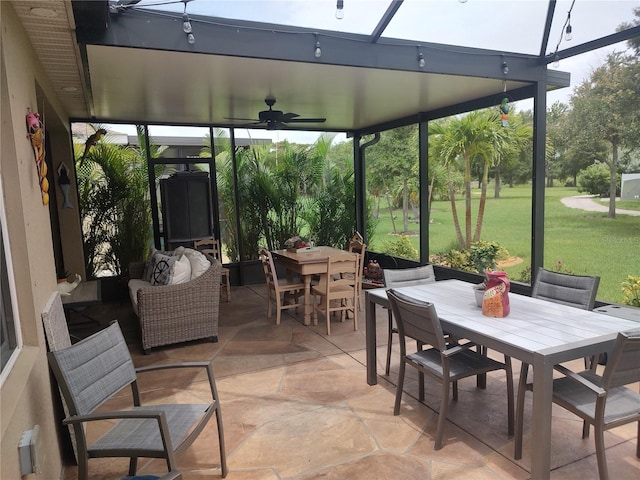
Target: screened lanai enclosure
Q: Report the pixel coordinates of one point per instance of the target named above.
(467, 134)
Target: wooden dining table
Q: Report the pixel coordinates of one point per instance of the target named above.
(306, 264)
(538, 332)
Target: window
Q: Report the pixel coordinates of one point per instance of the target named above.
(9, 332)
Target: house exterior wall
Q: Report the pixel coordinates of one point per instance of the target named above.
(26, 397)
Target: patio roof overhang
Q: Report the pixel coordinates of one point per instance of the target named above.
(136, 66)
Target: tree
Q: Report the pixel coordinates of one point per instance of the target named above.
(607, 106)
(477, 137)
(393, 163)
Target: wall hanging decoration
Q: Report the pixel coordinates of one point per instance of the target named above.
(35, 133)
(65, 184)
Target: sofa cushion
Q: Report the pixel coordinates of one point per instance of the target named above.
(180, 271)
(199, 262)
(162, 265)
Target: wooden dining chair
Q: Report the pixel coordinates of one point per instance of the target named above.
(404, 277)
(357, 245)
(602, 401)
(337, 289)
(446, 362)
(211, 246)
(282, 292)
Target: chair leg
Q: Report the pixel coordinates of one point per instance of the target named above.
(455, 391)
(278, 308)
(585, 429)
(228, 287)
(83, 464)
(389, 341)
(223, 454)
(600, 452)
(442, 415)
(268, 303)
(421, 386)
(396, 408)
(522, 381)
(509, 373)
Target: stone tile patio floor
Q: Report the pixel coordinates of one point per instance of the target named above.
(296, 405)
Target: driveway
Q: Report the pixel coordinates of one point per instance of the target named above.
(586, 202)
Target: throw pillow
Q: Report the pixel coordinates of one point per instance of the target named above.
(161, 274)
(199, 263)
(181, 271)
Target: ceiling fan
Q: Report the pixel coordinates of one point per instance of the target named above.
(277, 119)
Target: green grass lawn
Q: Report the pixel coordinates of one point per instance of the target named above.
(586, 243)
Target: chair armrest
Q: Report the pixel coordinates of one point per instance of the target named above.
(115, 415)
(206, 365)
(173, 365)
(457, 349)
(600, 392)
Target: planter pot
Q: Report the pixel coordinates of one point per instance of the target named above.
(479, 292)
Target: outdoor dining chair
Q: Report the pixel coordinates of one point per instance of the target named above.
(337, 289)
(212, 247)
(283, 292)
(574, 290)
(601, 401)
(357, 245)
(444, 362)
(405, 277)
(94, 370)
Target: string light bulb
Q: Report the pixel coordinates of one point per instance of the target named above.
(505, 68)
(556, 61)
(191, 39)
(317, 52)
(340, 9)
(186, 24)
(421, 61)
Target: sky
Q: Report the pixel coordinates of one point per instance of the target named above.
(507, 25)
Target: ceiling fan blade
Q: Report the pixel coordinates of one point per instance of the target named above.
(287, 117)
(242, 119)
(307, 120)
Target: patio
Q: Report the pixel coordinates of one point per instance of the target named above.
(296, 404)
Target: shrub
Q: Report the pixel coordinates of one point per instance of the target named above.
(631, 291)
(595, 180)
(400, 248)
(480, 257)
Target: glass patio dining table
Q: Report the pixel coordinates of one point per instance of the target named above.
(536, 331)
(306, 263)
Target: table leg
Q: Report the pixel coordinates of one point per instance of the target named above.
(370, 326)
(307, 300)
(541, 418)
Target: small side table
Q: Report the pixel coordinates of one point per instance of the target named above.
(84, 295)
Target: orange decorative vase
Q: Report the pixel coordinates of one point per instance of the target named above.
(495, 302)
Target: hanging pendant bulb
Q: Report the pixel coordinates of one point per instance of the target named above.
(191, 39)
(568, 35)
(421, 61)
(317, 52)
(340, 9)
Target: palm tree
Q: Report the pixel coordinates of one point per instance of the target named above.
(466, 140)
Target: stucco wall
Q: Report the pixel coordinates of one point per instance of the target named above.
(26, 394)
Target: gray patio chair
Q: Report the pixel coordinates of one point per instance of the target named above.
(574, 290)
(95, 369)
(405, 277)
(444, 362)
(601, 401)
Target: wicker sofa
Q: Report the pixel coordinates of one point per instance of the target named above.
(179, 313)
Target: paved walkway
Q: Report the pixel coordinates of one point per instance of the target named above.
(585, 202)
